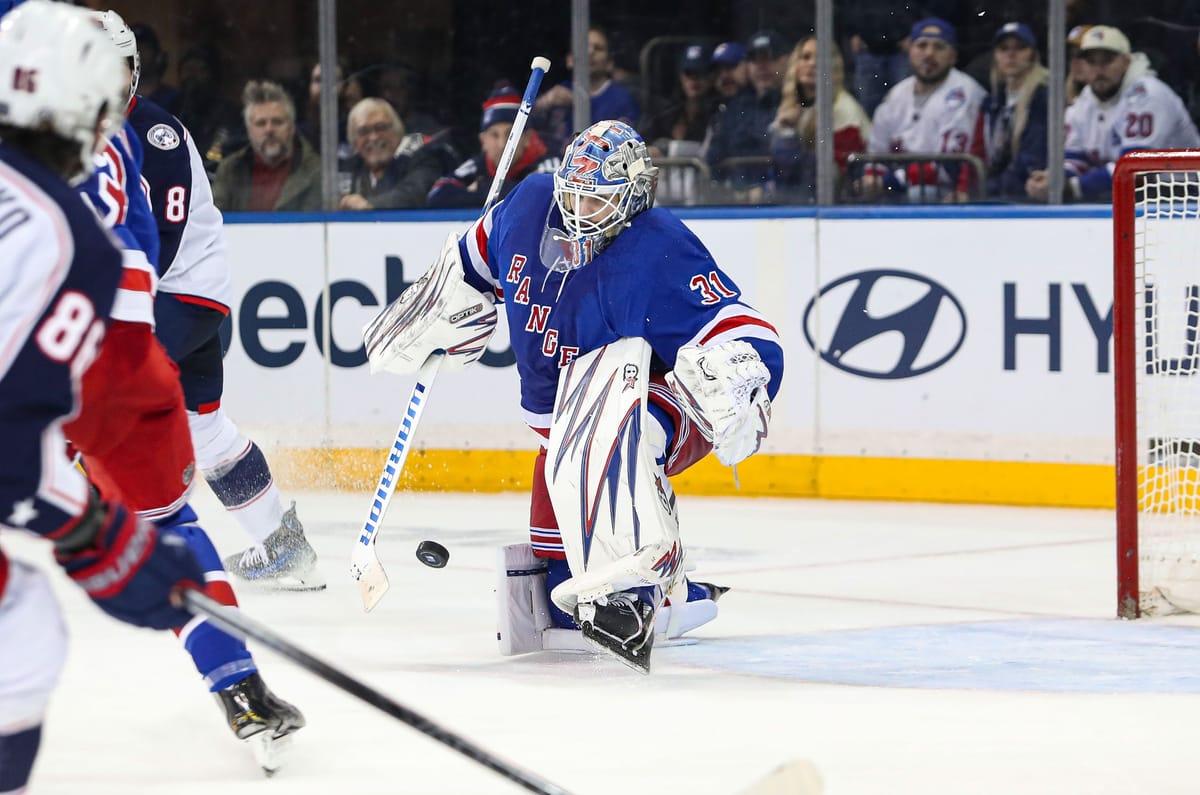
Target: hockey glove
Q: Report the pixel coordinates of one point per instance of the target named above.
(440, 312)
(723, 390)
(125, 566)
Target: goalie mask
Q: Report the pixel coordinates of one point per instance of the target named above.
(606, 178)
(58, 71)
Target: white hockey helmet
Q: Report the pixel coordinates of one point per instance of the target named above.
(126, 42)
(59, 72)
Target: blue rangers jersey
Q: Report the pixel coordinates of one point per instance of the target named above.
(192, 263)
(121, 200)
(656, 281)
(61, 271)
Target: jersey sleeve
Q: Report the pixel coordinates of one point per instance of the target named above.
(692, 302)
(115, 191)
(52, 322)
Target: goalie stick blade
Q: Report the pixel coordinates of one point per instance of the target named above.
(797, 777)
(372, 583)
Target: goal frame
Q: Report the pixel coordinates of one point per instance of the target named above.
(1124, 212)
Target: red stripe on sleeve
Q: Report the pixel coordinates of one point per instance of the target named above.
(481, 241)
(205, 302)
(733, 322)
(137, 281)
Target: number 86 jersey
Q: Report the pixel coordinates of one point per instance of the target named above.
(60, 275)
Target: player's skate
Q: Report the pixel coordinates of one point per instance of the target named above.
(622, 624)
(284, 561)
(263, 719)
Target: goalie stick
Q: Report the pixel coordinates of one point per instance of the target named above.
(797, 777)
(365, 566)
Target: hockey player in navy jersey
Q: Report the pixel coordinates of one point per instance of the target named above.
(59, 100)
(194, 293)
(581, 261)
(132, 431)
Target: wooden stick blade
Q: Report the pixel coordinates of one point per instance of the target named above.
(372, 583)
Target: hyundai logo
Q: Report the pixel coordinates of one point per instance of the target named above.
(885, 324)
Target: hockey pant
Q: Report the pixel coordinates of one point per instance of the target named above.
(132, 429)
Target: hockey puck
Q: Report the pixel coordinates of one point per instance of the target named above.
(432, 554)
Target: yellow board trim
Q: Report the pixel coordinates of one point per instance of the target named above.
(834, 477)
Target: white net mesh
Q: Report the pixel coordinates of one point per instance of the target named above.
(1167, 327)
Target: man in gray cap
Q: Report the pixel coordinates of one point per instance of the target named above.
(1124, 107)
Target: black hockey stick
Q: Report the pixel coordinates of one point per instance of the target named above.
(241, 626)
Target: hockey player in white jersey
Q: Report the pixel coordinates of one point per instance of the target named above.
(1124, 107)
(59, 100)
(195, 289)
(936, 110)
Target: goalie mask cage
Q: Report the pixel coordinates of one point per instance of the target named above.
(1156, 334)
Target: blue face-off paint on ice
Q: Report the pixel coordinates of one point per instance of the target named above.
(1050, 655)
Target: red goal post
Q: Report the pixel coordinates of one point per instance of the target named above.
(1156, 339)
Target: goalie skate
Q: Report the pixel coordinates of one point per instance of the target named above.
(622, 625)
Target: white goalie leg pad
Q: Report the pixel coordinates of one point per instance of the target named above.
(439, 312)
(615, 507)
(522, 609)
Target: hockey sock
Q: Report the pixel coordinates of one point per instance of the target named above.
(219, 657)
(248, 491)
(557, 571)
(17, 752)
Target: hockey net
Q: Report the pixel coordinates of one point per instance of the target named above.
(1156, 333)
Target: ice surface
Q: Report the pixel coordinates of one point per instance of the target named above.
(902, 648)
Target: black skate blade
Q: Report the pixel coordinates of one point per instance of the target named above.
(632, 656)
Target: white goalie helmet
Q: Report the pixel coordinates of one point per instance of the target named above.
(606, 178)
(59, 71)
(122, 36)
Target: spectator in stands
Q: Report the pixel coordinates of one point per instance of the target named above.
(154, 70)
(215, 123)
(1078, 71)
(394, 83)
(469, 184)
(937, 110)
(729, 70)
(278, 170)
(1017, 112)
(390, 169)
(740, 129)
(878, 42)
(554, 110)
(679, 130)
(794, 130)
(1124, 107)
(349, 92)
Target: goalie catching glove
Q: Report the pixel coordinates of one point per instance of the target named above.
(439, 313)
(724, 390)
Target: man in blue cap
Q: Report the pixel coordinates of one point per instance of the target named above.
(938, 110)
(729, 69)
(740, 128)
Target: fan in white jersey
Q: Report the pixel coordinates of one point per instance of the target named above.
(1124, 107)
(937, 110)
